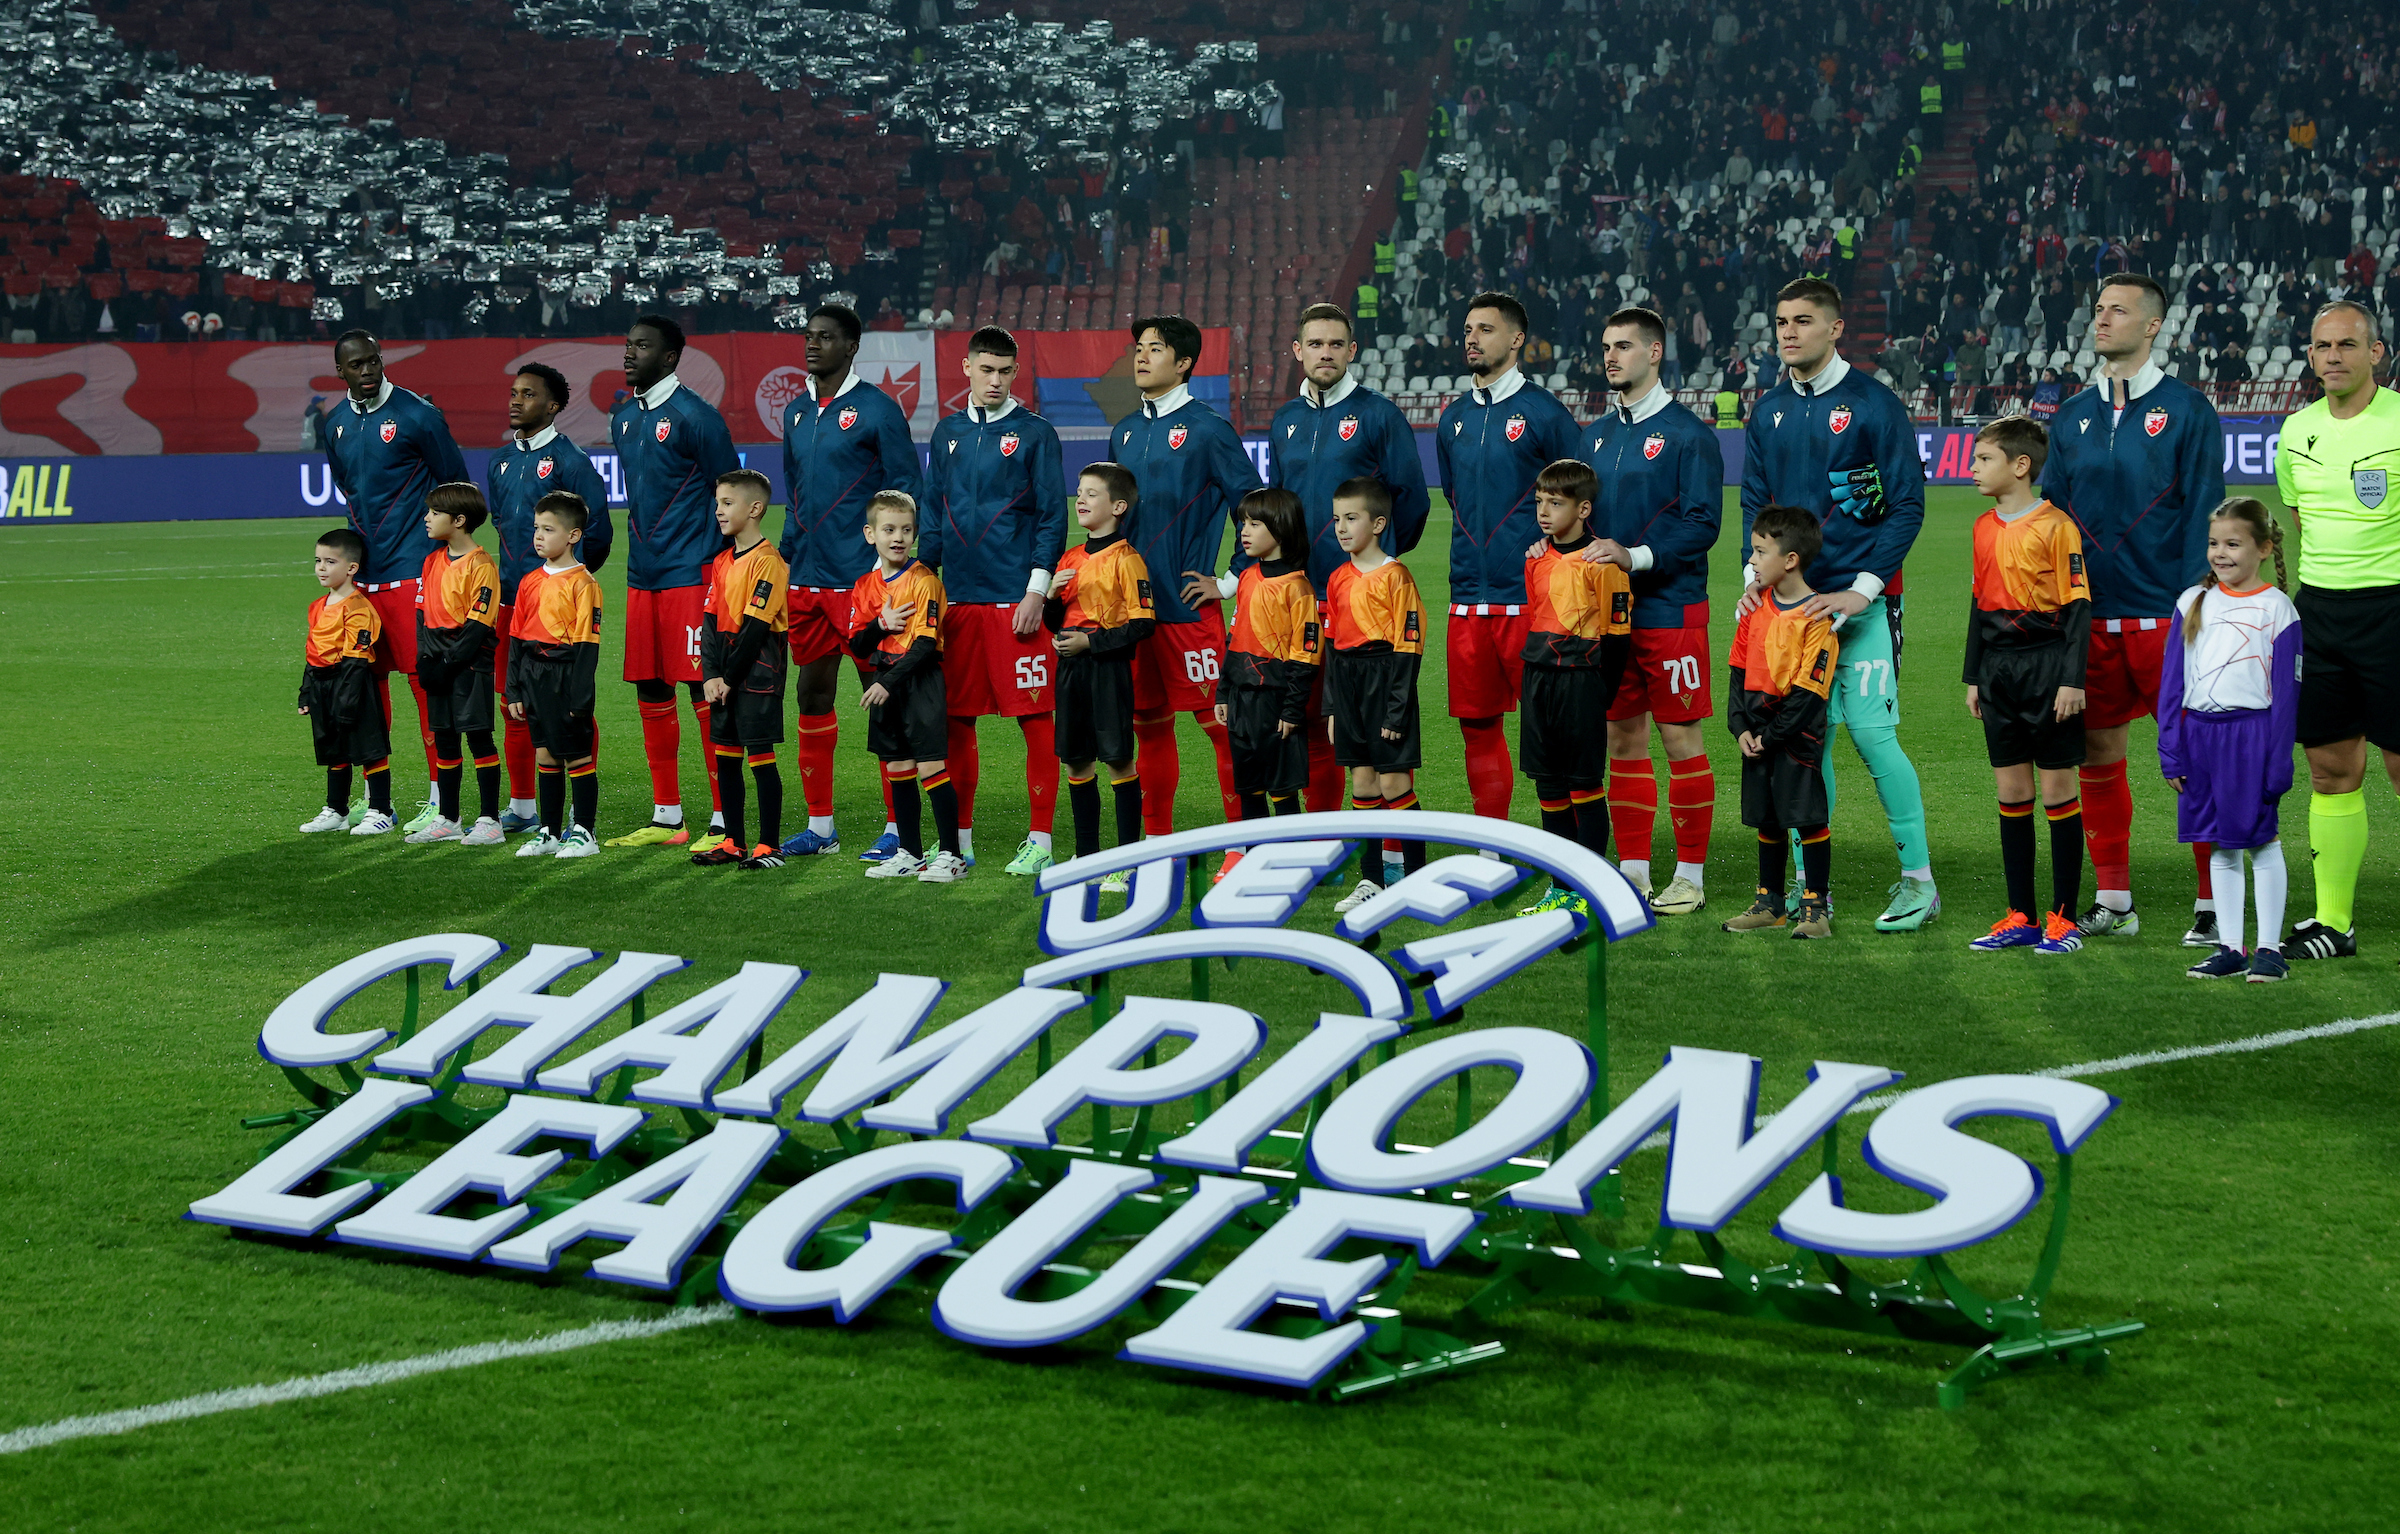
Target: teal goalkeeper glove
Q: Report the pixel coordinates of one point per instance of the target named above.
(1858, 493)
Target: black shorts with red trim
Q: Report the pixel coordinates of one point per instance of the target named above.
(1562, 726)
(1095, 708)
(912, 725)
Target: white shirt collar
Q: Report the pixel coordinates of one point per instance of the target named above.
(1168, 403)
(2138, 385)
(982, 417)
(1648, 405)
(1310, 394)
(383, 397)
(1510, 382)
(656, 394)
(848, 383)
(539, 440)
(1828, 378)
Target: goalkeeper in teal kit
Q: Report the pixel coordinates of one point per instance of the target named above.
(1832, 440)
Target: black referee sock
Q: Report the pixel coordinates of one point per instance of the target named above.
(550, 797)
(1127, 791)
(908, 813)
(337, 789)
(2016, 853)
(1083, 806)
(730, 789)
(2066, 857)
(770, 798)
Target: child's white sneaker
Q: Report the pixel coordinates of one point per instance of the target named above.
(438, 829)
(377, 823)
(580, 843)
(1367, 890)
(328, 819)
(902, 864)
(539, 845)
(942, 868)
(486, 833)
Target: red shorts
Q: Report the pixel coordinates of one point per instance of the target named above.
(1176, 667)
(2121, 676)
(1666, 677)
(987, 669)
(820, 622)
(1487, 659)
(395, 604)
(662, 634)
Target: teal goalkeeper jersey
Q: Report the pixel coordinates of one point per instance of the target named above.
(2342, 478)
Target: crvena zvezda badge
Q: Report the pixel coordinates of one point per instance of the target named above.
(662, 431)
(1008, 445)
(390, 431)
(1654, 444)
(2155, 422)
(1177, 436)
(848, 418)
(1348, 428)
(1839, 419)
(1516, 427)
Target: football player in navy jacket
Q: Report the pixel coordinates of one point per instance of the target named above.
(1336, 430)
(993, 526)
(845, 441)
(1193, 471)
(1490, 445)
(536, 461)
(386, 448)
(1661, 498)
(2138, 460)
(671, 446)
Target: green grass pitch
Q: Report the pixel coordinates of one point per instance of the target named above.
(159, 903)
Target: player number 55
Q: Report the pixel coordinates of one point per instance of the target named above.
(1033, 672)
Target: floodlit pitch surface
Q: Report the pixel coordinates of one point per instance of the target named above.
(158, 904)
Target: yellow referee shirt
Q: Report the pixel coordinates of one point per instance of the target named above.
(2343, 479)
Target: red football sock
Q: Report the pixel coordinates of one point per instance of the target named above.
(966, 765)
(1692, 805)
(1491, 777)
(1219, 738)
(2108, 825)
(890, 816)
(662, 743)
(1325, 780)
(1041, 769)
(2201, 852)
(424, 725)
(1632, 805)
(517, 745)
(818, 734)
(716, 799)
(1160, 771)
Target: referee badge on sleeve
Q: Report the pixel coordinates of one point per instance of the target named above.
(2369, 485)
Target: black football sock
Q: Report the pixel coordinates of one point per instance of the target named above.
(379, 786)
(1128, 792)
(908, 813)
(1412, 853)
(941, 797)
(1083, 806)
(730, 789)
(1771, 861)
(1816, 861)
(2016, 853)
(446, 767)
(583, 785)
(2066, 856)
(1370, 854)
(1283, 804)
(1591, 818)
(550, 797)
(1254, 805)
(486, 754)
(337, 789)
(770, 798)
(1557, 806)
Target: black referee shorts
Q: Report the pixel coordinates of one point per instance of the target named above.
(2349, 665)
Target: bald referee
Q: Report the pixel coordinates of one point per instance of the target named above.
(2337, 467)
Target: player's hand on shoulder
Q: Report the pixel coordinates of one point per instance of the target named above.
(1840, 606)
(1751, 595)
(1607, 551)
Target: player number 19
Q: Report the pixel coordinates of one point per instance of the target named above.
(691, 640)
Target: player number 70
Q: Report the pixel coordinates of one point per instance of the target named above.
(1682, 673)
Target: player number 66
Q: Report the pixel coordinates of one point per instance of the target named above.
(1200, 665)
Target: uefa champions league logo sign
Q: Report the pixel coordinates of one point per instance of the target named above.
(650, 1144)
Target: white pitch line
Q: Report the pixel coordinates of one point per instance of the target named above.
(365, 1376)
(368, 1375)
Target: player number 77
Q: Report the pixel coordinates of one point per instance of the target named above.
(1867, 684)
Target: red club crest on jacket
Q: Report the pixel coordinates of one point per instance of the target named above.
(1177, 436)
(391, 430)
(2156, 421)
(1516, 427)
(542, 470)
(1008, 445)
(1348, 428)
(1654, 444)
(662, 431)
(848, 418)
(1839, 419)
